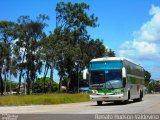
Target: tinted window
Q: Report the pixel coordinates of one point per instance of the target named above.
(97, 77)
(114, 75)
(113, 79)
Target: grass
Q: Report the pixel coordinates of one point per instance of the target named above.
(42, 99)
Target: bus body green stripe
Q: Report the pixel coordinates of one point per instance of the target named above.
(133, 80)
(119, 90)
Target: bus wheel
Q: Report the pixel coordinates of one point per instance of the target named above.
(99, 102)
(125, 102)
(140, 97)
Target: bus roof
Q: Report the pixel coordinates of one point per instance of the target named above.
(107, 59)
(113, 58)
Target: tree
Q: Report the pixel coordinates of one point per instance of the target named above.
(38, 87)
(72, 21)
(153, 86)
(150, 84)
(93, 49)
(10, 86)
(25, 48)
(50, 53)
(147, 77)
(6, 41)
(109, 53)
(28, 34)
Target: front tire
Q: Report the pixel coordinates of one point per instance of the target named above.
(99, 103)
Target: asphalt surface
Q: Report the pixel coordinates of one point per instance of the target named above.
(149, 105)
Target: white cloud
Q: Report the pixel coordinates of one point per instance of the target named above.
(145, 46)
(154, 10)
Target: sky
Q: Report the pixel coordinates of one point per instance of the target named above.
(130, 28)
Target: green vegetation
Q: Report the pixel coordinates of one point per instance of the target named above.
(147, 76)
(153, 86)
(44, 86)
(10, 86)
(43, 99)
(27, 49)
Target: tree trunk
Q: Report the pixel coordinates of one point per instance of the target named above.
(1, 84)
(5, 81)
(51, 79)
(68, 83)
(60, 82)
(33, 76)
(10, 87)
(19, 84)
(28, 83)
(44, 77)
(20, 75)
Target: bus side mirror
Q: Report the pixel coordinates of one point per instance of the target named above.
(123, 72)
(124, 76)
(85, 74)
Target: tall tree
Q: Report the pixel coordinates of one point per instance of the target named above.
(29, 33)
(110, 53)
(6, 40)
(147, 77)
(50, 55)
(94, 49)
(72, 21)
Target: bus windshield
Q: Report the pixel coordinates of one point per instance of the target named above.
(113, 78)
(108, 79)
(97, 77)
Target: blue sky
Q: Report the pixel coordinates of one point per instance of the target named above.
(130, 28)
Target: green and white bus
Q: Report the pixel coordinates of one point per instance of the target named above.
(115, 79)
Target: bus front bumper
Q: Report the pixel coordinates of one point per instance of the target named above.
(98, 97)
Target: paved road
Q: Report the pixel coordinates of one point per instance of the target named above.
(150, 104)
